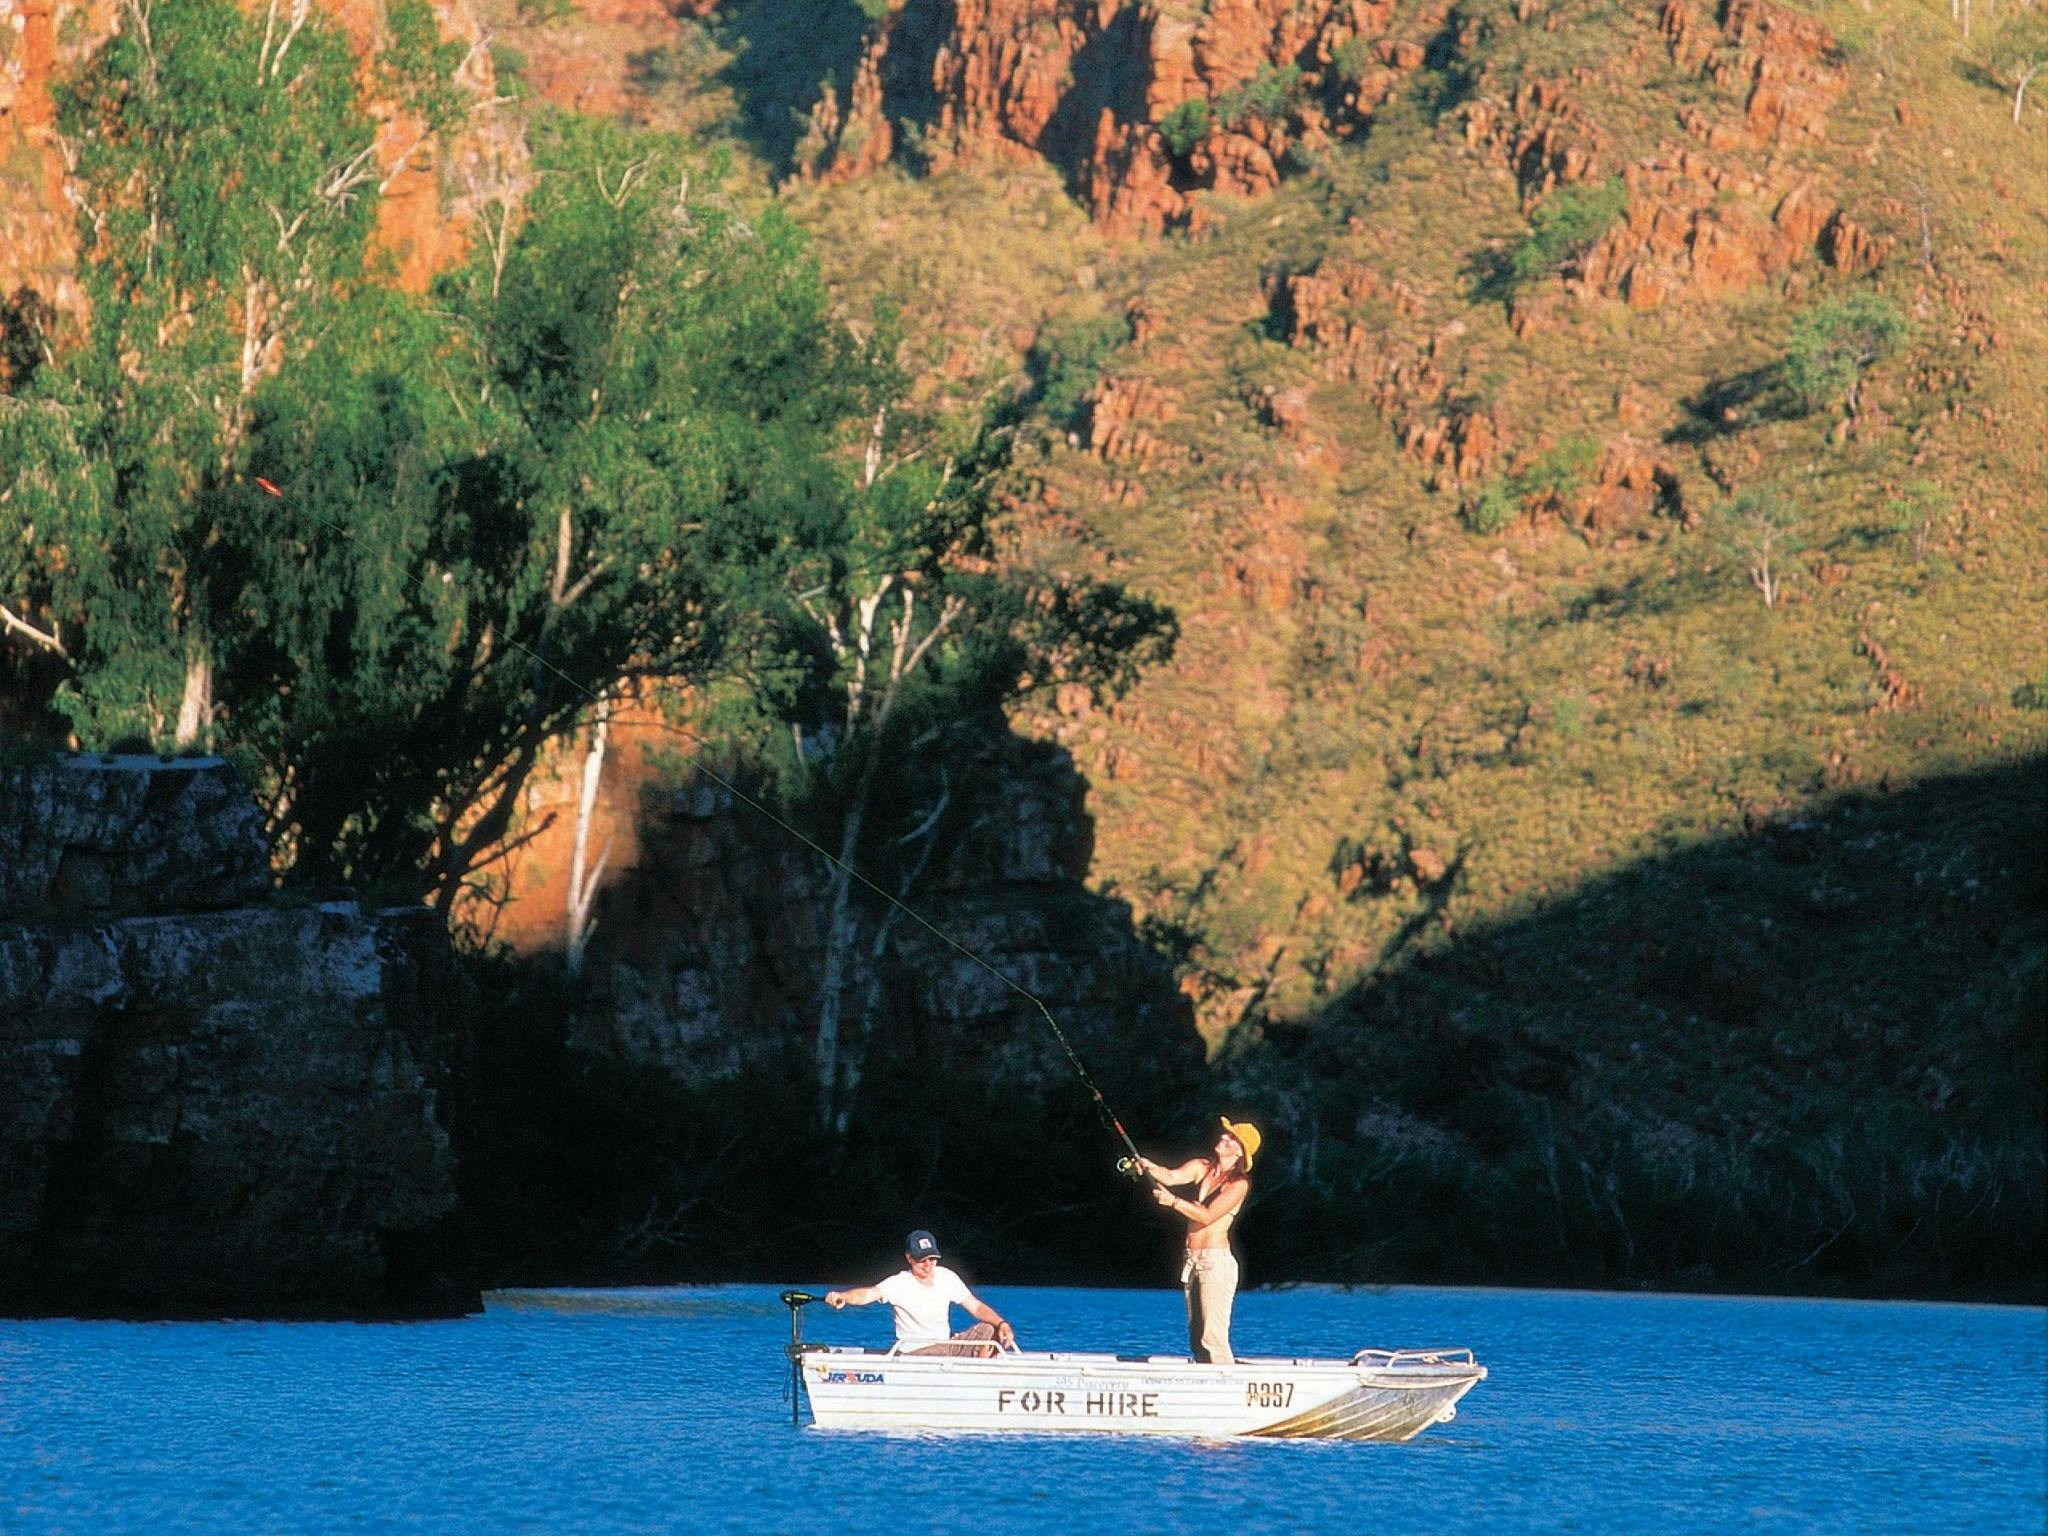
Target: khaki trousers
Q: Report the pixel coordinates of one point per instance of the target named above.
(978, 1340)
(1210, 1280)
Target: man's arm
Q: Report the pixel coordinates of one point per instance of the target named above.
(981, 1311)
(859, 1296)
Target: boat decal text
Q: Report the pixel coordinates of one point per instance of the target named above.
(854, 1378)
(1100, 1404)
(1269, 1394)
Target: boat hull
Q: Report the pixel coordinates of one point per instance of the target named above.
(1386, 1396)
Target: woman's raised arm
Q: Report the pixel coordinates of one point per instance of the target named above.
(1197, 1215)
(1187, 1173)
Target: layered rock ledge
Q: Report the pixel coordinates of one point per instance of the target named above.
(211, 1101)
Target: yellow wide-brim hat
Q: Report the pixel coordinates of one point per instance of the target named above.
(1247, 1136)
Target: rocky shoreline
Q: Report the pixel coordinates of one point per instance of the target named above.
(213, 1101)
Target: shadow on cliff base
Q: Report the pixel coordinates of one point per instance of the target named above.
(1805, 1059)
(660, 1118)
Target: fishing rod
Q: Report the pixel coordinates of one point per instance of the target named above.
(1131, 1166)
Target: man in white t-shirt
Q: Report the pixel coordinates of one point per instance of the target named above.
(921, 1295)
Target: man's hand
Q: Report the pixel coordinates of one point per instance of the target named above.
(1006, 1335)
(835, 1300)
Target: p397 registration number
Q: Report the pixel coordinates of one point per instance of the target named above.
(1269, 1394)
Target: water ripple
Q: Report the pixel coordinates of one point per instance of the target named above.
(663, 1409)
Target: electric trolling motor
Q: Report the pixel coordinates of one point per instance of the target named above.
(796, 1301)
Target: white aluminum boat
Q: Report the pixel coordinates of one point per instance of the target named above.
(1377, 1394)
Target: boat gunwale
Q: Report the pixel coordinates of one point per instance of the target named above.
(1408, 1366)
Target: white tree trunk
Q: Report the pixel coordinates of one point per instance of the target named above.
(855, 1053)
(195, 707)
(903, 658)
(838, 941)
(582, 885)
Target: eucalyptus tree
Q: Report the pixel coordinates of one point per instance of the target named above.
(2017, 53)
(226, 179)
(1763, 533)
(385, 548)
(907, 635)
(1832, 344)
(586, 463)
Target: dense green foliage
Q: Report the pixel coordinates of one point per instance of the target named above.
(589, 465)
(387, 549)
(200, 259)
(1563, 227)
(1186, 125)
(1832, 343)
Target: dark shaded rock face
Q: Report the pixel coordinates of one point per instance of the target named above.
(709, 955)
(128, 834)
(210, 1102)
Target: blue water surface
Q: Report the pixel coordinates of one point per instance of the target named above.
(663, 1410)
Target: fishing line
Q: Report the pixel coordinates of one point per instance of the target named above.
(1102, 1110)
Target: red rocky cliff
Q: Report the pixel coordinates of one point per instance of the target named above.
(1087, 84)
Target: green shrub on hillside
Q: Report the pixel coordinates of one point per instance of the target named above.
(1185, 127)
(2031, 695)
(1563, 227)
(1762, 532)
(1560, 470)
(510, 65)
(1915, 511)
(1070, 361)
(1351, 59)
(1834, 341)
(1493, 509)
(1267, 97)
(2017, 54)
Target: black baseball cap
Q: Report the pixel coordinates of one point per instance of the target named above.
(921, 1245)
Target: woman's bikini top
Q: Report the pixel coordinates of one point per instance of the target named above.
(1204, 1193)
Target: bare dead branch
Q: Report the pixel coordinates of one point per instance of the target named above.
(49, 640)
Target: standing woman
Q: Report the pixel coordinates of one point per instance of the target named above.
(1209, 1277)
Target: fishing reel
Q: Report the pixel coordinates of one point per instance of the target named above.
(1128, 1167)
